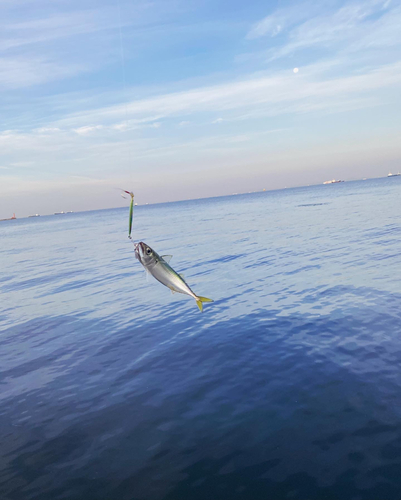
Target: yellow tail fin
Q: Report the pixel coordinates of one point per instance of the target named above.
(199, 301)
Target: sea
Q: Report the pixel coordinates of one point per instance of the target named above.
(287, 386)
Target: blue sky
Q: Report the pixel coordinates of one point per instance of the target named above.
(179, 99)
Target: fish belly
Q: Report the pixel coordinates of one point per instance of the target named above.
(170, 279)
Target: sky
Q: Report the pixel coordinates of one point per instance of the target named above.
(179, 99)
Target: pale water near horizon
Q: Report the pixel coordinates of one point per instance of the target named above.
(288, 386)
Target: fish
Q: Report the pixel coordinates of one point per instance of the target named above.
(158, 266)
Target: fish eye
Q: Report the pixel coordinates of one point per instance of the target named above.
(148, 251)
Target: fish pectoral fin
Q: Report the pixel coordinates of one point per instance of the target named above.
(200, 300)
(173, 291)
(166, 258)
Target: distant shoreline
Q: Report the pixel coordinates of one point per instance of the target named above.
(149, 204)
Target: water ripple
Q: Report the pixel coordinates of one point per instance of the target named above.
(287, 386)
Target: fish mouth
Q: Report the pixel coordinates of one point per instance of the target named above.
(139, 250)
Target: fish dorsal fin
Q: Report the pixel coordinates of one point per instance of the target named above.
(181, 275)
(166, 258)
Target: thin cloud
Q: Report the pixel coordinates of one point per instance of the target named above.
(46, 130)
(362, 25)
(87, 129)
(312, 21)
(20, 72)
(70, 23)
(280, 88)
(280, 20)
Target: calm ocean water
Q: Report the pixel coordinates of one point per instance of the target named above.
(287, 387)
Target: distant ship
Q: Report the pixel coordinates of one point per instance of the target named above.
(59, 213)
(393, 175)
(34, 215)
(10, 218)
(333, 181)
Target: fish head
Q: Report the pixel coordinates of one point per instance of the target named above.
(146, 256)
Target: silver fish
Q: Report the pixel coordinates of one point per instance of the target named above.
(159, 268)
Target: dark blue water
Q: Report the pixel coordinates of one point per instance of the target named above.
(287, 387)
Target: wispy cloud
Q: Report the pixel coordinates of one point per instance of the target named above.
(54, 27)
(357, 25)
(280, 94)
(20, 72)
(316, 21)
(273, 93)
(280, 20)
(32, 51)
(60, 41)
(99, 144)
(87, 129)
(47, 25)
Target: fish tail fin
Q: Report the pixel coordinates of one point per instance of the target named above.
(200, 300)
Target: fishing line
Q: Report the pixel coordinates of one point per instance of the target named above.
(131, 213)
(122, 51)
